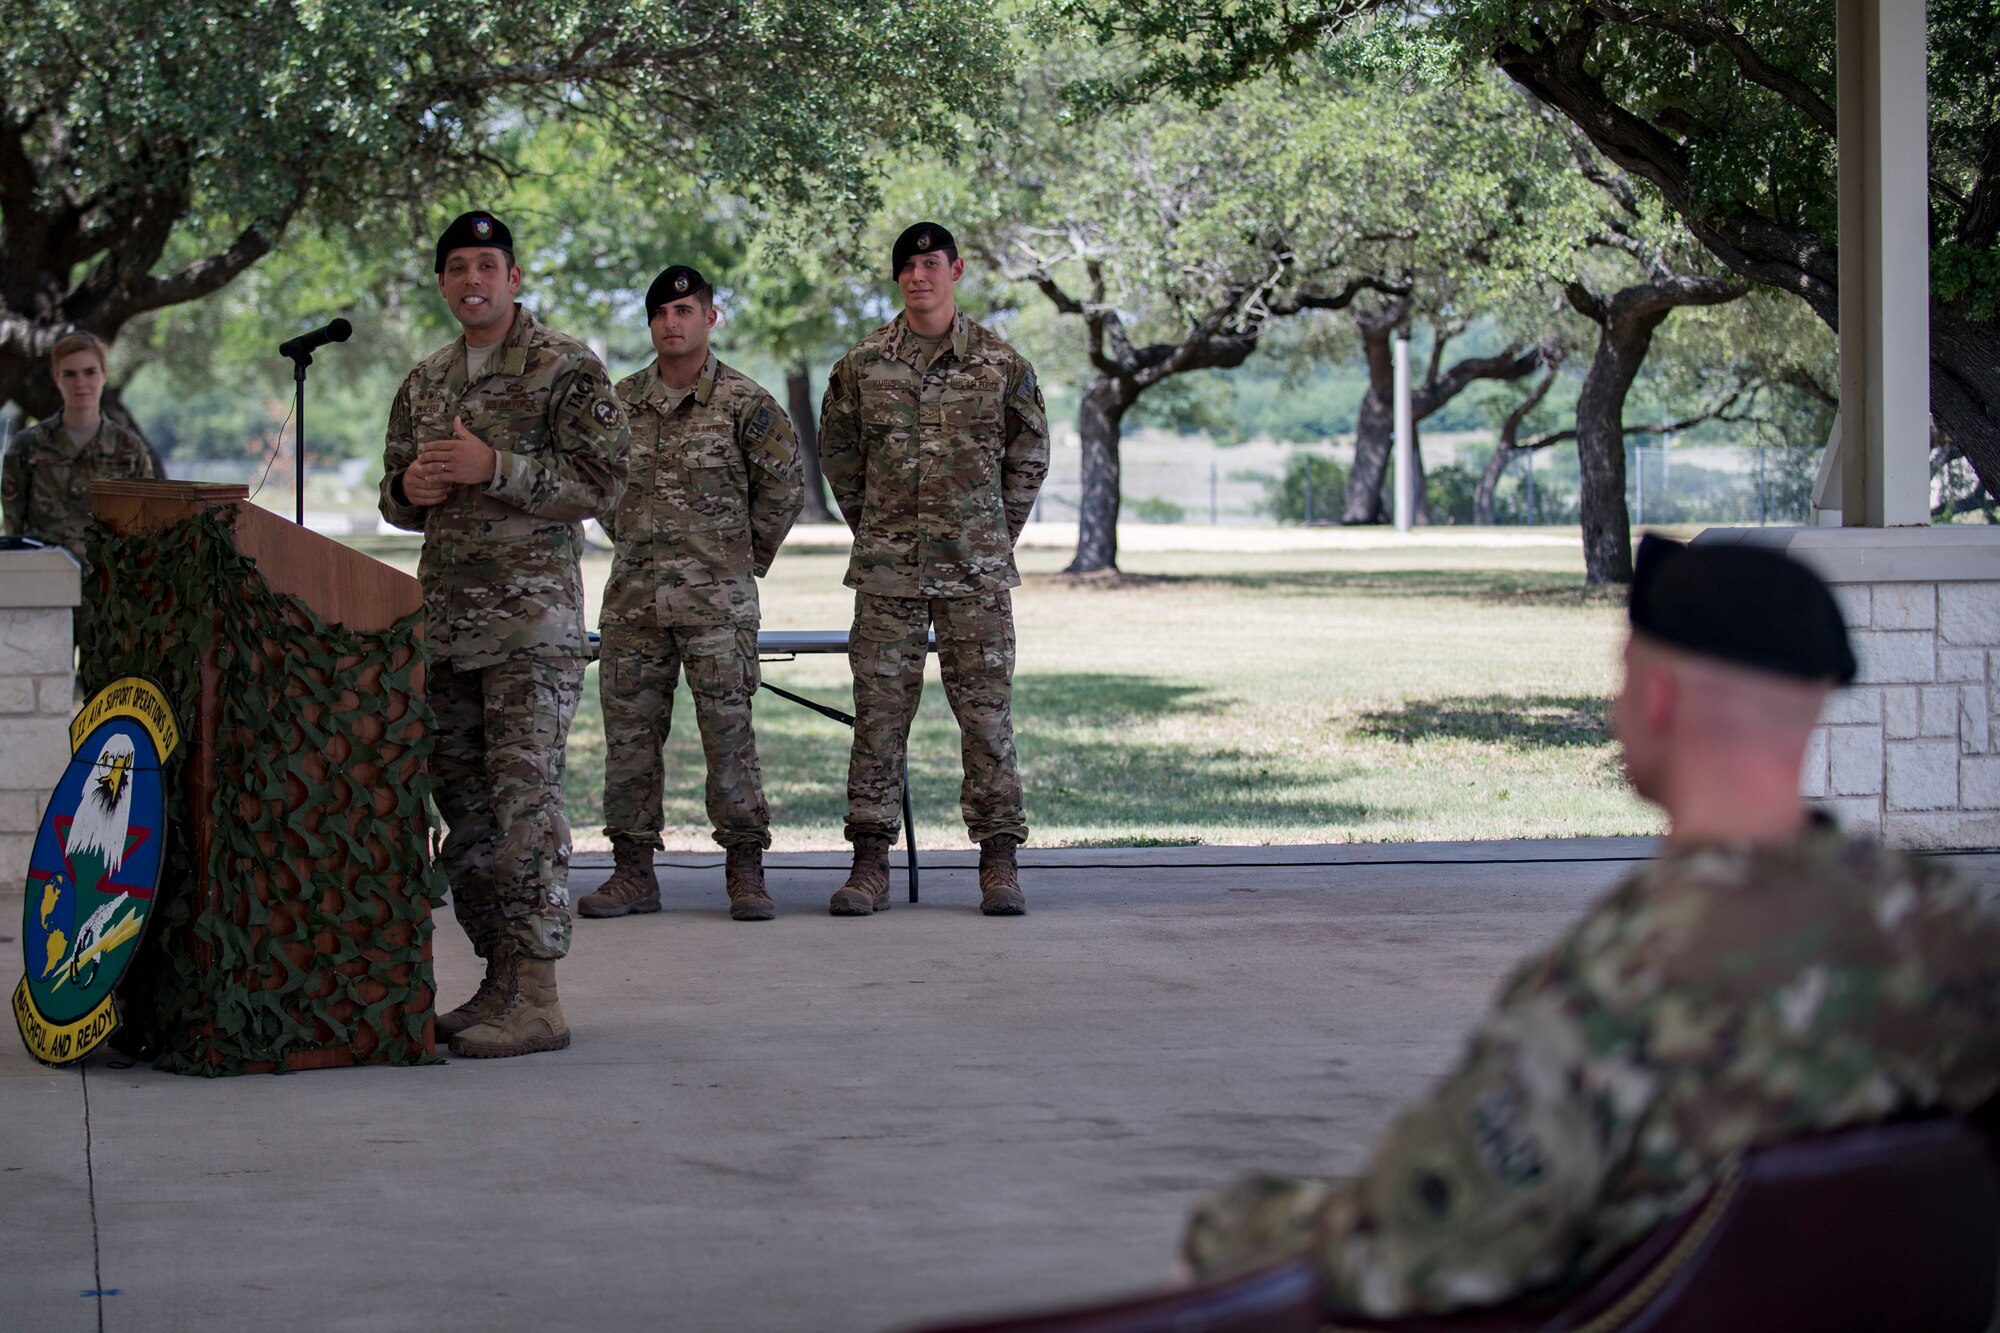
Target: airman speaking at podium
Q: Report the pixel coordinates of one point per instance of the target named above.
(499, 446)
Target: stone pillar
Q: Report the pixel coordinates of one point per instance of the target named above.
(37, 591)
(1911, 751)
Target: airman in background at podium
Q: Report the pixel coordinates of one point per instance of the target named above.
(499, 446)
(715, 483)
(1768, 977)
(934, 439)
(45, 478)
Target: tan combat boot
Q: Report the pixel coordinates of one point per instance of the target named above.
(999, 881)
(633, 887)
(529, 1019)
(485, 1002)
(867, 887)
(744, 878)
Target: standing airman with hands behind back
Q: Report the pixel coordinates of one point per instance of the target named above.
(934, 440)
(45, 478)
(715, 484)
(499, 446)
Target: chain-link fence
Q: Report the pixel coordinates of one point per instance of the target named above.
(1186, 479)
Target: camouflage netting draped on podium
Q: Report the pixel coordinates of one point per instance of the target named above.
(317, 778)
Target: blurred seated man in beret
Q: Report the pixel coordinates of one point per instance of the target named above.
(1767, 977)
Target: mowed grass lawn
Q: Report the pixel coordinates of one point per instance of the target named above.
(1359, 693)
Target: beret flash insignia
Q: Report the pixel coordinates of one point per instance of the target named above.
(680, 282)
(482, 228)
(924, 239)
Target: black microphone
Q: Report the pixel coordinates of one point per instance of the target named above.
(303, 345)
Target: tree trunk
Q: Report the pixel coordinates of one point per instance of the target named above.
(1965, 390)
(798, 388)
(1625, 326)
(1375, 423)
(1487, 491)
(1100, 421)
(1622, 344)
(1504, 448)
(1420, 512)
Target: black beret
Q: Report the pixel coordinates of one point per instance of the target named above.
(921, 239)
(477, 229)
(1743, 604)
(675, 283)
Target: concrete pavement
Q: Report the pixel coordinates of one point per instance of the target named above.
(809, 1123)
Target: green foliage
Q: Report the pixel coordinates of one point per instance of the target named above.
(1274, 194)
(1154, 509)
(241, 109)
(1311, 489)
(1449, 492)
(1962, 274)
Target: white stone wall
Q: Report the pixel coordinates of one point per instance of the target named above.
(37, 590)
(1909, 750)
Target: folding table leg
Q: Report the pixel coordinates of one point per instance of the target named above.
(909, 829)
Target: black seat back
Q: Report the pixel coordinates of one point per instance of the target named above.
(1888, 1227)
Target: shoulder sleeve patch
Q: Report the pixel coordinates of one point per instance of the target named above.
(606, 412)
(1030, 391)
(1505, 1143)
(768, 433)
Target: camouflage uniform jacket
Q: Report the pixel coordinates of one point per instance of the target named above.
(500, 561)
(1722, 998)
(935, 469)
(715, 484)
(45, 479)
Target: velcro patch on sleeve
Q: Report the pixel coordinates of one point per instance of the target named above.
(768, 436)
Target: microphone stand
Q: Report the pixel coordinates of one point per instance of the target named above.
(299, 364)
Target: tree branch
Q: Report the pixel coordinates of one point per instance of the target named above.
(1585, 302)
(1698, 33)
(1979, 227)
(1311, 298)
(1646, 299)
(208, 275)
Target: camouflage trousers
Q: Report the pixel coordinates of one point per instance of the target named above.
(976, 657)
(636, 676)
(501, 732)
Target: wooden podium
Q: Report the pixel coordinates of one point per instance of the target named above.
(296, 927)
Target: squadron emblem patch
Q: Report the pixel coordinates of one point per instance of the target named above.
(93, 871)
(606, 414)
